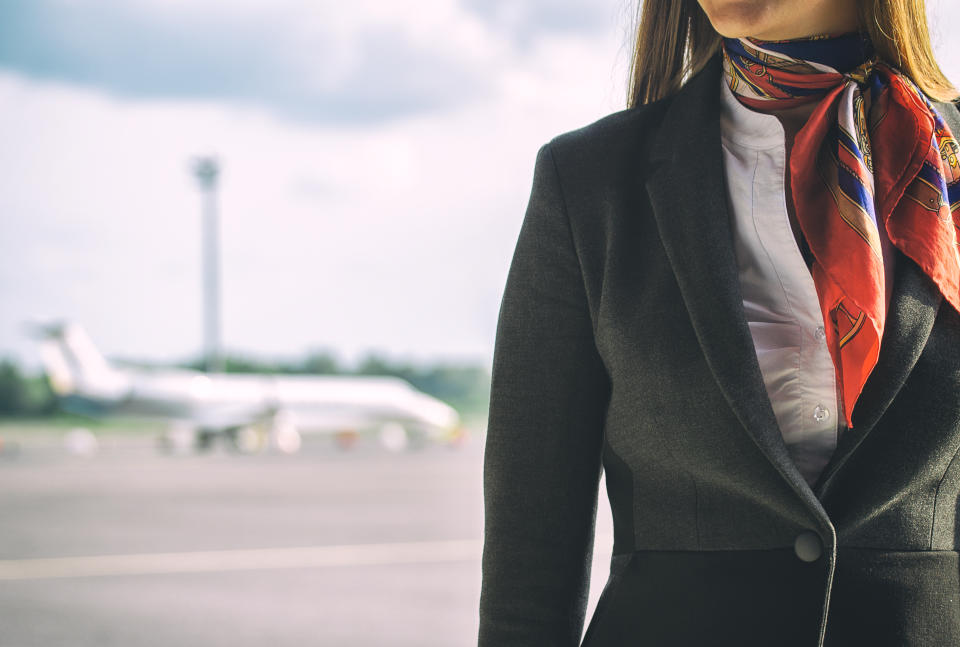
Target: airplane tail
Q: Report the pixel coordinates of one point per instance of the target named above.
(74, 365)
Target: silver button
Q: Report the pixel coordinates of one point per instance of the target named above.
(808, 546)
(821, 413)
(820, 334)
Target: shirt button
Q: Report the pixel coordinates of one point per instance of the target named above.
(808, 546)
(820, 334)
(821, 413)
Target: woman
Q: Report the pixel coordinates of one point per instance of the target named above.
(739, 299)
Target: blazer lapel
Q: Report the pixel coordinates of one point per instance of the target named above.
(687, 191)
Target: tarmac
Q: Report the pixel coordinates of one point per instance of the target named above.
(127, 546)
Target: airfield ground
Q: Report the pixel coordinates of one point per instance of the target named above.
(129, 547)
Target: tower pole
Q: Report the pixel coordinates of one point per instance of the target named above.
(207, 172)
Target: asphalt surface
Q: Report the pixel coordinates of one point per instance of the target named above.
(133, 548)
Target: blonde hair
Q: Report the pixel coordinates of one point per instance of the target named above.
(675, 40)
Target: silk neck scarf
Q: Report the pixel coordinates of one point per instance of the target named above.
(874, 153)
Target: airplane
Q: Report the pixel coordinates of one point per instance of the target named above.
(249, 412)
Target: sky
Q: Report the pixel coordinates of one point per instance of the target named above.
(376, 162)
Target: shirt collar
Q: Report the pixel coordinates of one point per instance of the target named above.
(745, 127)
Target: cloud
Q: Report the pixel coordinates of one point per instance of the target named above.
(294, 59)
(943, 15)
(356, 63)
(526, 20)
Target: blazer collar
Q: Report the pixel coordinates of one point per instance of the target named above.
(687, 191)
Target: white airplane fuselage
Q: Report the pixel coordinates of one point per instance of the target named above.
(215, 402)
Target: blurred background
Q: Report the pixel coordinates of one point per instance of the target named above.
(251, 260)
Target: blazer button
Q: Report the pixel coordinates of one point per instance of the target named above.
(808, 546)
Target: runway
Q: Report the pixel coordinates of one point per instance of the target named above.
(134, 548)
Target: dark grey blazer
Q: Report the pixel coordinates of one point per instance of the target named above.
(622, 345)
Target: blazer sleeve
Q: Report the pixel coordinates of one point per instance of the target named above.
(542, 460)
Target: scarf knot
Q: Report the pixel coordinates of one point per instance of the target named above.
(874, 153)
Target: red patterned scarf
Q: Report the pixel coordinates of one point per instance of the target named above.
(874, 152)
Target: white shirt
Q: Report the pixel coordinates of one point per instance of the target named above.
(779, 297)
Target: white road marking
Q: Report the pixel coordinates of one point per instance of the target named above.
(241, 560)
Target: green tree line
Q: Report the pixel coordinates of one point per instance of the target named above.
(24, 395)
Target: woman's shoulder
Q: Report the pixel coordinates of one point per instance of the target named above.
(950, 112)
(618, 136)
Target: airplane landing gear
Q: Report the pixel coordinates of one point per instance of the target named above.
(284, 436)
